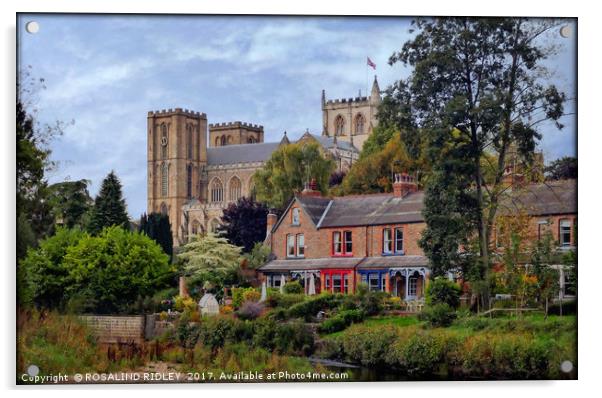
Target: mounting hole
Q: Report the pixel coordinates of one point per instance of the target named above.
(566, 366)
(33, 370)
(32, 27)
(566, 31)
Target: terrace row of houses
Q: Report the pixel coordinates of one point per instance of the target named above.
(342, 241)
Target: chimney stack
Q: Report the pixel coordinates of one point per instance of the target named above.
(403, 185)
(311, 189)
(272, 219)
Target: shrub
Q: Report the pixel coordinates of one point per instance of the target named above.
(312, 306)
(342, 320)
(226, 309)
(251, 295)
(440, 314)
(277, 299)
(372, 302)
(421, 354)
(442, 290)
(184, 304)
(250, 310)
(569, 307)
(238, 295)
(369, 346)
(293, 287)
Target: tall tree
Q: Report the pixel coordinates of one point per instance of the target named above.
(484, 78)
(287, 171)
(563, 168)
(244, 223)
(157, 227)
(70, 202)
(109, 206)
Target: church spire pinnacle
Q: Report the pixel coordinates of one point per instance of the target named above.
(375, 93)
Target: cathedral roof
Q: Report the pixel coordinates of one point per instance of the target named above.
(243, 153)
(329, 142)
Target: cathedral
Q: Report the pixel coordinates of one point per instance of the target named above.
(196, 169)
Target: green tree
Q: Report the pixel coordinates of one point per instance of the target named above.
(258, 256)
(244, 223)
(374, 173)
(209, 254)
(485, 78)
(108, 272)
(109, 206)
(157, 227)
(287, 171)
(376, 141)
(548, 278)
(45, 275)
(563, 168)
(70, 202)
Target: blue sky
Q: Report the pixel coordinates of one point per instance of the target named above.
(107, 72)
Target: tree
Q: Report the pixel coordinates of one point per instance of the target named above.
(374, 173)
(548, 278)
(108, 272)
(563, 168)
(244, 223)
(45, 276)
(484, 78)
(109, 206)
(70, 202)
(258, 256)
(208, 254)
(157, 227)
(287, 171)
(376, 141)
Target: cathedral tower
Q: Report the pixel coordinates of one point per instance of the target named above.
(177, 155)
(351, 119)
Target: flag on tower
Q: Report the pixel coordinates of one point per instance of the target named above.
(371, 64)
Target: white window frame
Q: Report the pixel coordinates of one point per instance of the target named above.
(300, 240)
(396, 240)
(295, 216)
(387, 243)
(567, 231)
(290, 244)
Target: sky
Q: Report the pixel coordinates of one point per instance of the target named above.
(103, 73)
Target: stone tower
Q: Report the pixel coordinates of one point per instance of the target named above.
(177, 156)
(233, 133)
(351, 119)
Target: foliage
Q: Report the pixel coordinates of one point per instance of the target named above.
(56, 344)
(310, 307)
(184, 304)
(204, 255)
(114, 268)
(442, 290)
(368, 346)
(542, 257)
(109, 206)
(289, 168)
(279, 300)
(258, 256)
(250, 310)
(70, 202)
(293, 287)
(244, 223)
(336, 178)
(486, 79)
(251, 295)
(561, 169)
(440, 314)
(377, 141)
(341, 320)
(157, 227)
(45, 274)
(374, 173)
(238, 295)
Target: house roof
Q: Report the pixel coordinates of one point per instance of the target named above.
(243, 153)
(347, 211)
(314, 206)
(393, 261)
(310, 264)
(551, 197)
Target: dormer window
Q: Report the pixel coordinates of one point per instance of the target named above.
(295, 216)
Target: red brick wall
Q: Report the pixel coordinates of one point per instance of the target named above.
(313, 243)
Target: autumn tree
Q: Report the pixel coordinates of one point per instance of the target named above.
(484, 78)
(287, 171)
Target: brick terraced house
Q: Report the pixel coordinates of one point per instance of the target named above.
(342, 241)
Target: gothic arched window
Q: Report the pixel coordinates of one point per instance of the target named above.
(163, 209)
(339, 125)
(217, 191)
(189, 181)
(251, 140)
(189, 139)
(163, 141)
(235, 189)
(359, 124)
(164, 179)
